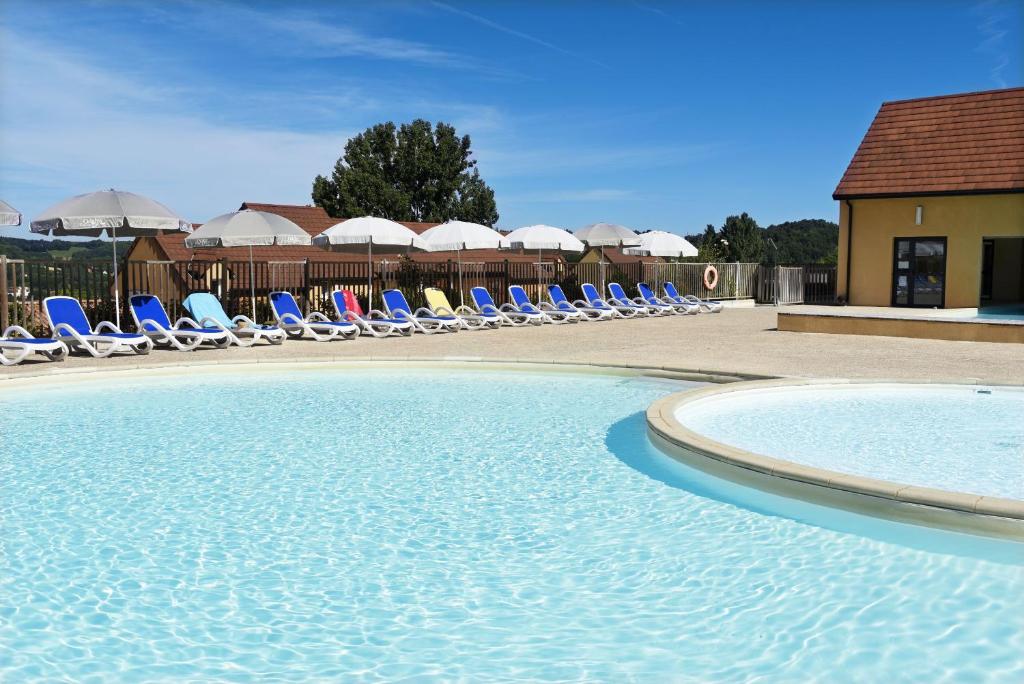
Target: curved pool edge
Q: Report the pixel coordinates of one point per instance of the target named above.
(48, 372)
(957, 511)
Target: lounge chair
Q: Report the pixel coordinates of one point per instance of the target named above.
(437, 301)
(549, 313)
(18, 340)
(619, 298)
(151, 320)
(506, 313)
(648, 297)
(706, 305)
(424, 320)
(318, 326)
(587, 312)
(375, 323)
(71, 326)
(593, 299)
(207, 309)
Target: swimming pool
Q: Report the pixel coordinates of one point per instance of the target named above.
(493, 526)
(957, 438)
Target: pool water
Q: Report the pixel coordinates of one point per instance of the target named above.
(965, 439)
(407, 525)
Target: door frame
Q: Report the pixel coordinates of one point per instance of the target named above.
(945, 263)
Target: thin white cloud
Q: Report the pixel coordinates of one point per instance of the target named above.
(484, 21)
(993, 16)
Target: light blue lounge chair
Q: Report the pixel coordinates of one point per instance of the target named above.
(151, 320)
(648, 297)
(70, 325)
(547, 312)
(594, 300)
(506, 313)
(706, 305)
(422, 319)
(207, 309)
(587, 312)
(318, 326)
(20, 344)
(618, 297)
(375, 323)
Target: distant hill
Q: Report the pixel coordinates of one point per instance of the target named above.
(807, 241)
(57, 250)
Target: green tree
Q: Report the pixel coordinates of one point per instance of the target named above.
(709, 246)
(414, 172)
(744, 239)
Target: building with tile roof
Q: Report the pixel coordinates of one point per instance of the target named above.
(932, 204)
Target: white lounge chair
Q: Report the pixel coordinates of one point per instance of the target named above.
(547, 312)
(151, 320)
(70, 325)
(318, 326)
(588, 313)
(594, 300)
(423, 320)
(706, 305)
(241, 330)
(17, 344)
(437, 301)
(506, 313)
(618, 297)
(374, 323)
(648, 297)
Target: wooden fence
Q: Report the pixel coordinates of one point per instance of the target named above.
(24, 284)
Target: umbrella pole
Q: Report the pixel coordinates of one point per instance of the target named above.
(369, 275)
(458, 255)
(252, 285)
(602, 270)
(117, 285)
(540, 265)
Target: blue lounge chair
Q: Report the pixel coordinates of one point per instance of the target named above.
(648, 297)
(547, 312)
(70, 325)
(375, 323)
(587, 312)
(594, 300)
(506, 313)
(318, 326)
(207, 309)
(618, 297)
(151, 320)
(706, 305)
(437, 301)
(19, 341)
(422, 319)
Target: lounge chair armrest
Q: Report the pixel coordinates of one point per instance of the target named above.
(317, 317)
(243, 319)
(187, 321)
(424, 311)
(105, 325)
(509, 307)
(376, 313)
(212, 323)
(150, 321)
(285, 318)
(17, 330)
(463, 310)
(581, 302)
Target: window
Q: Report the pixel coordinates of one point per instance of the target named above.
(919, 272)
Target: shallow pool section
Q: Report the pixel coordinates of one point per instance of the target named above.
(956, 438)
(342, 525)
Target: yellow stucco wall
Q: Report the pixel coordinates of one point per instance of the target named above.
(963, 220)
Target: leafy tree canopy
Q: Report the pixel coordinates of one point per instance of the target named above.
(55, 250)
(413, 172)
(807, 241)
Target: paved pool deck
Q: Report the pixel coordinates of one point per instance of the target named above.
(737, 341)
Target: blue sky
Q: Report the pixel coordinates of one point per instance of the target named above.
(651, 114)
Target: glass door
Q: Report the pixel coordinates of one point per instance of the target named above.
(919, 272)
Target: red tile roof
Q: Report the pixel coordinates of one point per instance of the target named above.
(615, 255)
(966, 143)
(314, 220)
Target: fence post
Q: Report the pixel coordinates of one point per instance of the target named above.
(4, 322)
(306, 288)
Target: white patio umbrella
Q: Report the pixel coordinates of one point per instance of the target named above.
(457, 236)
(541, 237)
(114, 212)
(659, 243)
(606, 235)
(248, 228)
(9, 216)
(369, 234)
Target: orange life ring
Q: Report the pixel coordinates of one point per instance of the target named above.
(710, 277)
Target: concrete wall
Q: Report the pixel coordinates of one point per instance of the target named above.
(963, 220)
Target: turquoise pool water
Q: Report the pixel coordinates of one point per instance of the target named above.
(964, 439)
(405, 525)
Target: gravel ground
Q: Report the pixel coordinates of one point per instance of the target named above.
(736, 341)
